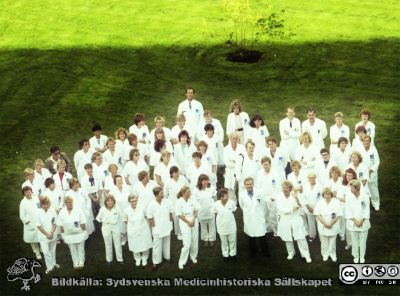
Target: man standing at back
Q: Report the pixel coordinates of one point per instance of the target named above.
(316, 127)
(193, 111)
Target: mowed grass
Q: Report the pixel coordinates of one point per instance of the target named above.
(64, 66)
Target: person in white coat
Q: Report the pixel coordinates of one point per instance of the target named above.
(159, 122)
(254, 208)
(208, 159)
(369, 126)
(328, 212)
(213, 143)
(204, 194)
(159, 213)
(72, 222)
(258, 133)
(297, 177)
(193, 111)
(337, 131)
(47, 233)
(316, 127)
(290, 222)
(226, 224)
(93, 186)
(82, 157)
(144, 153)
(247, 164)
(110, 218)
(178, 128)
(133, 167)
(341, 155)
(279, 161)
(323, 166)
(139, 235)
(357, 144)
(357, 216)
(55, 195)
(122, 143)
(290, 131)
(62, 178)
(187, 209)
(371, 160)
(34, 183)
(41, 173)
(238, 121)
(307, 153)
(268, 184)
(98, 141)
(196, 168)
(144, 189)
(360, 168)
(113, 155)
(28, 214)
(161, 171)
(232, 151)
(183, 151)
(171, 189)
(140, 129)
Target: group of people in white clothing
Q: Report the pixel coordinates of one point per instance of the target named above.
(142, 185)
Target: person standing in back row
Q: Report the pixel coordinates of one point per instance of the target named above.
(290, 131)
(316, 127)
(193, 111)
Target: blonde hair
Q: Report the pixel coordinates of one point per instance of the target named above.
(250, 142)
(39, 161)
(327, 190)
(305, 134)
(119, 130)
(287, 184)
(44, 200)
(95, 155)
(68, 198)
(109, 197)
(357, 154)
(28, 172)
(339, 114)
(61, 163)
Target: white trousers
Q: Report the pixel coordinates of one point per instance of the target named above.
(328, 246)
(77, 253)
(141, 256)
(232, 195)
(207, 230)
(190, 239)
(35, 248)
(177, 228)
(49, 253)
(359, 244)
(342, 223)
(302, 245)
(375, 199)
(110, 234)
(161, 248)
(228, 244)
(311, 226)
(272, 222)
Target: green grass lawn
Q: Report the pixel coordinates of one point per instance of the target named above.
(64, 65)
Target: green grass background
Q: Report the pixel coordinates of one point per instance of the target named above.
(66, 64)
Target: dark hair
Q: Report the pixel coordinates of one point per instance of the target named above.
(200, 180)
(222, 192)
(324, 150)
(88, 166)
(96, 127)
(361, 128)
(271, 139)
(159, 130)
(157, 190)
(48, 182)
(25, 189)
(311, 109)
(189, 88)
(342, 139)
(131, 138)
(209, 127)
(142, 174)
(365, 112)
(197, 154)
(158, 144)
(115, 179)
(138, 118)
(254, 118)
(184, 133)
(82, 142)
(132, 152)
(54, 149)
(173, 169)
(351, 171)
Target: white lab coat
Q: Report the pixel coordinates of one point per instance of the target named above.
(278, 161)
(226, 223)
(37, 186)
(144, 193)
(193, 115)
(254, 210)
(183, 156)
(80, 159)
(155, 156)
(289, 140)
(318, 132)
(81, 200)
(323, 171)
(336, 132)
(71, 222)
(361, 171)
(328, 211)
(122, 202)
(370, 127)
(205, 198)
(143, 151)
(231, 123)
(123, 148)
(132, 170)
(91, 187)
(246, 167)
(310, 196)
(116, 158)
(161, 215)
(63, 184)
(28, 214)
(139, 235)
(214, 147)
(371, 160)
(342, 158)
(357, 208)
(230, 158)
(175, 130)
(172, 188)
(258, 136)
(98, 143)
(162, 170)
(308, 155)
(141, 133)
(187, 209)
(297, 181)
(194, 172)
(56, 198)
(101, 172)
(41, 177)
(290, 222)
(167, 133)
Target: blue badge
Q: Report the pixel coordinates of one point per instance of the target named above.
(342, 131)
(209, 159)
(363, 204)
(273, 182)
(371, 156)
(333, 215)
(299, 181)
(280, 158)
(53, 220)
(76, 224)
(360, 174)
(318, 131)
(369, 130)
(38, 205)
(144, 135)
(197, 110)
(216, 145)
(262, 133)
(105, 173)
(245, 120)
(318, 195)
(120, 160)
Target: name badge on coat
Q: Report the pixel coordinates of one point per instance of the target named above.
(333, 215)
(76, 224)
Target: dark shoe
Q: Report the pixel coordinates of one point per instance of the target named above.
(155, 267)
(226, 259)
(234, 258)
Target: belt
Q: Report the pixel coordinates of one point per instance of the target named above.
(239, 129)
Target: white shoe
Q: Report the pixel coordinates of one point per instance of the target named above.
(342, 238)
(194, 260)
(137, 262)
(325, 258)
(180, 266)
(347, 247)
(179, 237)
(38, 256)
(57, 265)
(362, 261)
(377, 209)
(334, 259)
(290, 256)
(355, 260)
(308, 260)
(144, 262)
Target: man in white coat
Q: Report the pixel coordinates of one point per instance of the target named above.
(316, 127)
(371, 160)
(193, 111)
(160, 217)
(290, 131)
(254, 208)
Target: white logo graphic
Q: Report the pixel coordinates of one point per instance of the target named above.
(24, 270)
(380, 270)
(393, 271)
(349, 274)
(367, 271)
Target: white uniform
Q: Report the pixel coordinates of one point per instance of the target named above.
(190, 235)
(175, 131)
(358, 208)
(254, 208)
(323, 169)
(269, 184)
(226, 226)
(56, 198)
(297, 181)
(122, 202)
(246, 167)
(162, 170)
(143, 151)
(238, 123)
(144, 193)
(205, 198)
(80, 159)
(209, 160)
(291, 226)
(308, 155)
(328, 211)
(371, 160)
(81, 200)
(28, 214)
(161, 214)
(342, 158)
(318, 132)
(46, 220)
(132, 170)
(290, 131)
(37, 186)
(258, 136)
(123, 148)
(311, 195)
(139, 235)
(171, 190)
(278, 161)
(62, 184)
(41, 177)
(194, 172)
(218, 134)
(370, 127)
(101, 172)
(141, 133)
(213, 147)
(111, 220)
(193, 112)
(167, 133)
(361, 171)
(183, 156)
(337, 187)
(155, 156)
(357, 145)
(336, 132)
(116, 157)
(73, 234)
(230, 158)
(97, 144)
